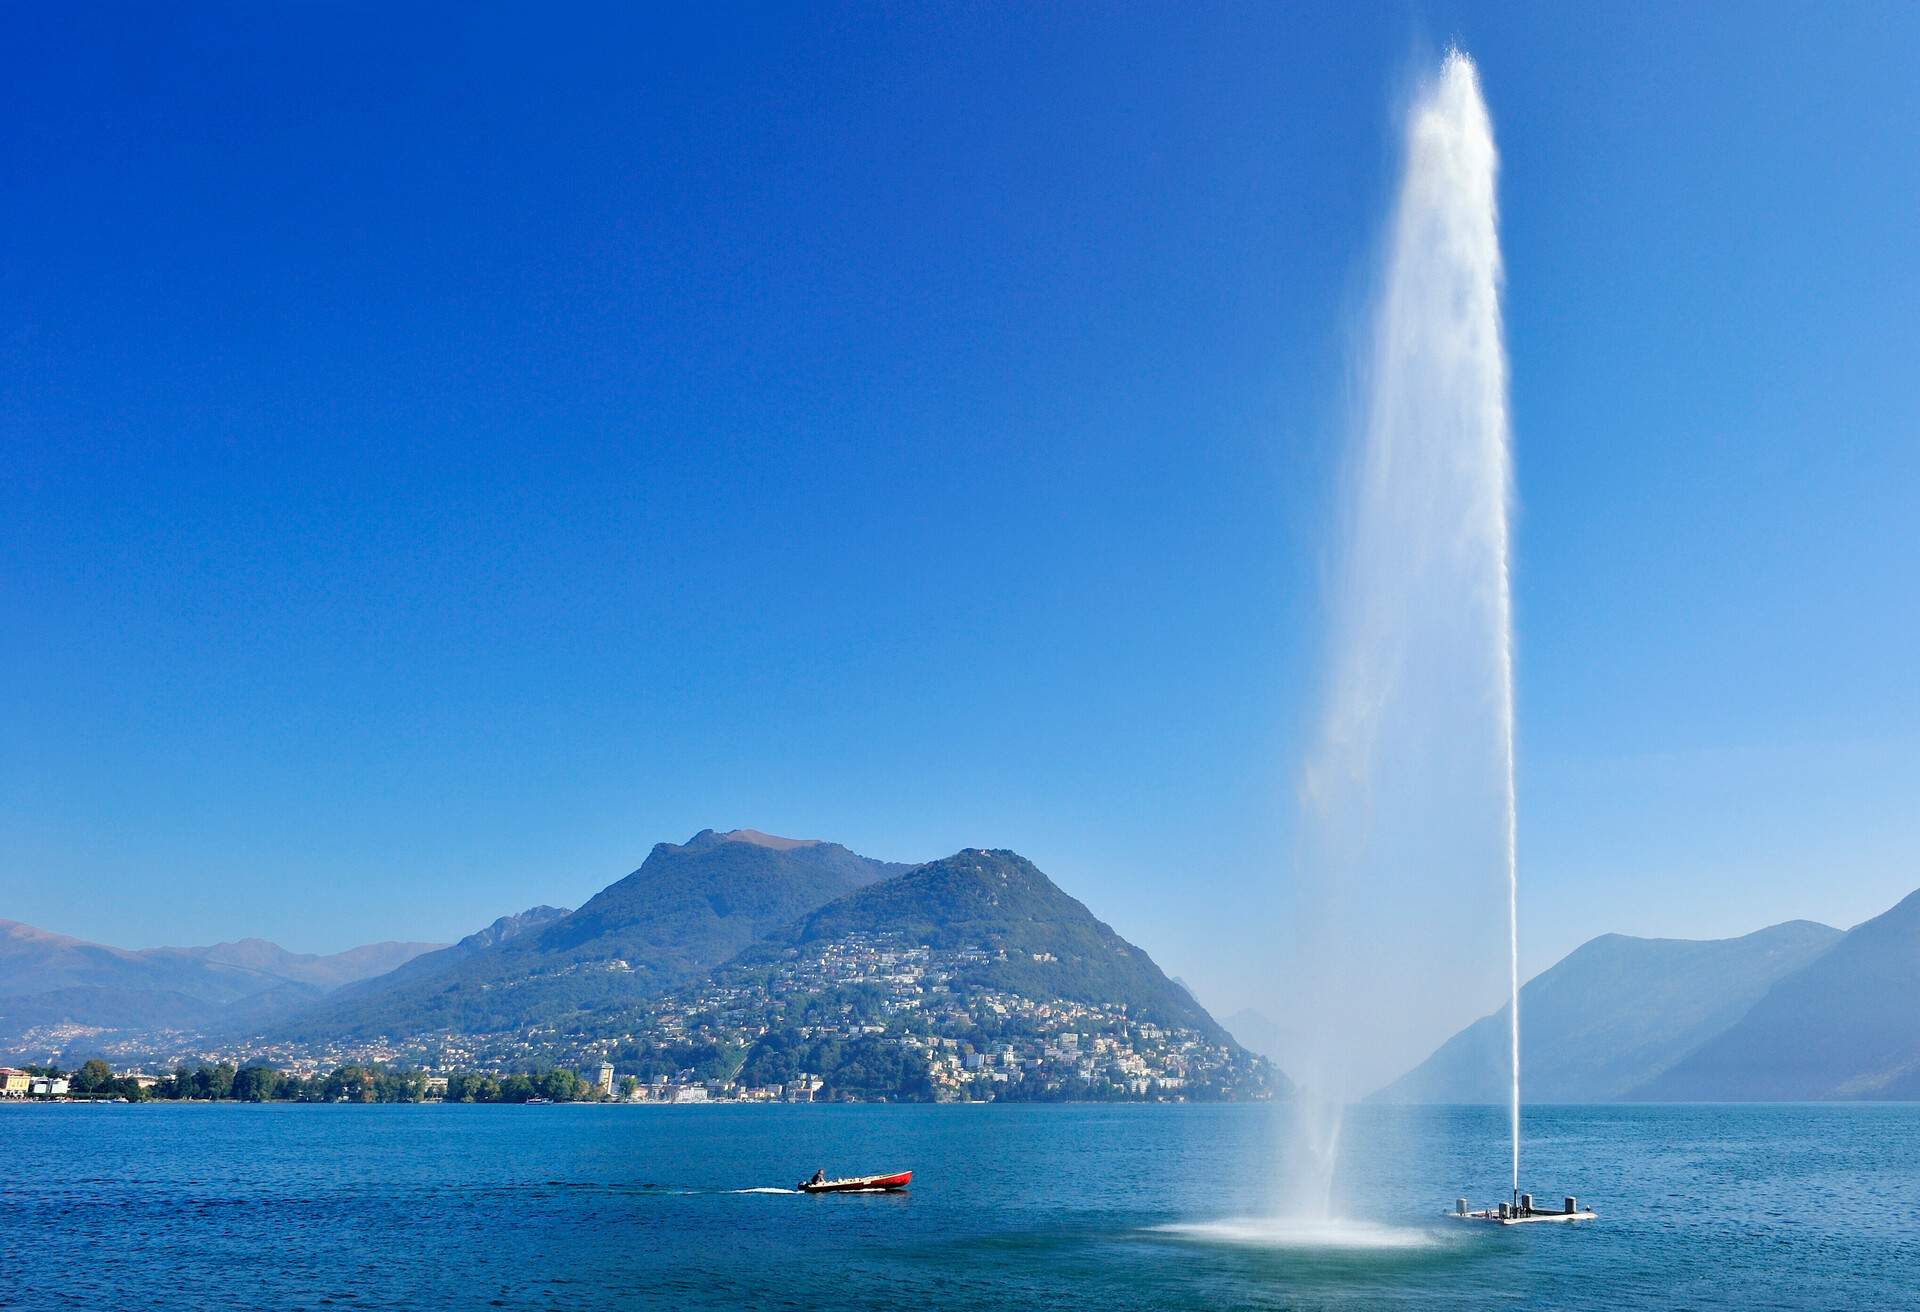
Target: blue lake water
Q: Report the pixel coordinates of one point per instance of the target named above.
(188, 1207)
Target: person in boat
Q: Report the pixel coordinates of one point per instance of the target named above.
(819, 1177)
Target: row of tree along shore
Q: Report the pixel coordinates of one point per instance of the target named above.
(224, 1082)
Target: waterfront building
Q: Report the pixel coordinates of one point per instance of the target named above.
(14, 1083)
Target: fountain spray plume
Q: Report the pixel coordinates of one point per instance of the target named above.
(1409, 825)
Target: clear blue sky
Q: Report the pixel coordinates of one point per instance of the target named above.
(446, 455)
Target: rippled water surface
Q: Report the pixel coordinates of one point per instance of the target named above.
(187, 1207)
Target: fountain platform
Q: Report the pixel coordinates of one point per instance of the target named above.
(1522, 1212)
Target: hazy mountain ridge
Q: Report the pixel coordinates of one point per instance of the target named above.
(1844, 1026)
(1257, 1032)
(1794, 1012)
(1612, 1014)
(502, 930)
(327, 971)
(51, 982)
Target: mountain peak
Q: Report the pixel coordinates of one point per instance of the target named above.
(1027, 935)
(509, 927)
(759, 839)
(686, 909)
(22, 932)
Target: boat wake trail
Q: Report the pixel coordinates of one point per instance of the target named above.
(1272, 1232)
(763, 1189)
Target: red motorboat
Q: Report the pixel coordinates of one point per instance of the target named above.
(856, 1184)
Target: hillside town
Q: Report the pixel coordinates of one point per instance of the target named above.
(857, 1018)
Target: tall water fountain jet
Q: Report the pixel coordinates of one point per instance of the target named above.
(1409, 834)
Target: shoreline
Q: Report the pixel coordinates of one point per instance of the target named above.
(617, 1102)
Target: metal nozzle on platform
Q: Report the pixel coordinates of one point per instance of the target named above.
(1521, 1211)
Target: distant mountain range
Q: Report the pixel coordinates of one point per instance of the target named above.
(743, 956)
(736, 957)
(1797, 1011)
(1847, 1025)
(52, 983)
(1613, 1014)
(429, 964)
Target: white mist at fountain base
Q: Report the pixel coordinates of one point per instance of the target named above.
(1279, 1232)
(1405, 882)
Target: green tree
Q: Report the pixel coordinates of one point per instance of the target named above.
(213, 1081)
(560, 1085)
(350, 1083)
(94, 1076)
(874, 1068)
(255, 1083)
(471, 1086)
(398, 1086)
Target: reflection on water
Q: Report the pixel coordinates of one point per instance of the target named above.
(1097, 1208)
